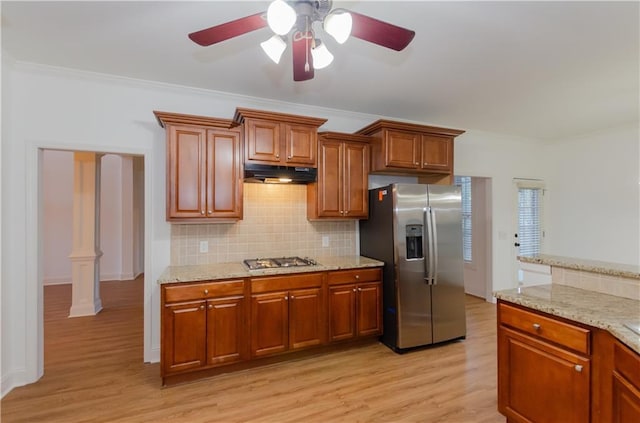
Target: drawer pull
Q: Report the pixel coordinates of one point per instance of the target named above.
(357, 276)
(536, 326)
(354, 290)
(210, 305)
(286, 298)
(206, 291)
(201, 307)
(578, 368)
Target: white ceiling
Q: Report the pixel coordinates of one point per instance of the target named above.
(544, 70)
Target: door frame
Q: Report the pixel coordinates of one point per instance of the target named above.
(34, 287)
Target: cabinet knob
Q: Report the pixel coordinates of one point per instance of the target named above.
(578, 368)
(286, 298)
(425, 164)
(206, 291)
(201, 307)
(292, 297)
(417, 163)
(536, 326)
(359, 289)
(201, 211)
(277, 156)
(289, 157)
(210, 212)
(357, 276)
(341, 212)
(210, 305)
(354, 290)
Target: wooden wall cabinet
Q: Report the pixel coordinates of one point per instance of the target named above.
(405, 148)
(287, 313)
(279, 138)
(544, 367)
(204, 168)
(355, 304)
(343, 171)
(203, 325)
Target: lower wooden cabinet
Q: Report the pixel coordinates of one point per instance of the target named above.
(355, 304)
(208, 325)
(626, 385)
(207, 332)
(286, 320)
(552, 370)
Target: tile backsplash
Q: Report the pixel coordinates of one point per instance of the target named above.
(275, 224)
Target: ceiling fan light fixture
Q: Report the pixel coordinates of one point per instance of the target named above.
(338, 24)
(274, 47)
(322, 57)
(281, 17)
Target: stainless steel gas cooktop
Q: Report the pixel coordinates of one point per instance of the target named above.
(269, 263)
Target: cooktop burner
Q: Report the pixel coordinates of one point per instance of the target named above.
(268, 263)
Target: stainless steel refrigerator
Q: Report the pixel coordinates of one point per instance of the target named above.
(417, 231)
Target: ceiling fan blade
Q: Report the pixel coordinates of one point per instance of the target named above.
(230, 29)
(302, 60)
(379, 32)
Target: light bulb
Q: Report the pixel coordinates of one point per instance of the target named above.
(322, 57)
(338, 24)
(274, 47)
(280, 17)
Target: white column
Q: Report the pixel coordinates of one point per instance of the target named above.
(85, 255)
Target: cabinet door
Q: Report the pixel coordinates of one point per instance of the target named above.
(538, 382)
(186, 161)
(401, 149)
(224, 187)
(626, 401)
(269, 323)
(183, 337)
(262, 140)
(225, 330)
(342, 312)
(305, 318)
(301, 142)
(356, 180)
(330, 179)
(437, 153)
(369, 309)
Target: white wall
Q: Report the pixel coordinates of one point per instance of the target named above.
(116, 217)
(500, 158)
(592, 201)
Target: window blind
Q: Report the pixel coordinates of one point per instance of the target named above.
(465, 184)
(529, 226)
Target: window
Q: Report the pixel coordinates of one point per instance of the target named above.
(465, 183)
(529, 219)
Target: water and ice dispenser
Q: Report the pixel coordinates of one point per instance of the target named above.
(414, 242)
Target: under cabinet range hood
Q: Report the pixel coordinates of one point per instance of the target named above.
(260, 173)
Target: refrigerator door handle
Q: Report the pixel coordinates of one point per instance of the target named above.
(428, 260)
(434, 247)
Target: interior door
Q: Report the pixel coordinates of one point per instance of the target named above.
(528, 234)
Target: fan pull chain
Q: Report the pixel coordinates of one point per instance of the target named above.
(306, 45)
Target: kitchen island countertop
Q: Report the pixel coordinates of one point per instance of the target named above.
(219, 271)
(593, 266)
(592, 308)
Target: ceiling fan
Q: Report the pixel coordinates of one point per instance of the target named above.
(298, 18)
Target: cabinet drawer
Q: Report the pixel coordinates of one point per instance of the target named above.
(627, 363)
(354, 275)
(567, 335)
(195, 291)
(284, 283)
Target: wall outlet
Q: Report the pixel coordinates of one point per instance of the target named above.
(325, 241)
(204, 246)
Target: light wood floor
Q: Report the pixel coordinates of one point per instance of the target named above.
(94, 373)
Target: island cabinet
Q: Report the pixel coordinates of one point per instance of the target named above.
(204, 168)
(355, 304)
(406, 148)
(625, 385)
(341, 191)
(203, 325)
(287, 313)
(544, 367)
(278, 138)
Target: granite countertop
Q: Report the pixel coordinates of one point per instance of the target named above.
(594, 266)
(592, 308)
(218, 271)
